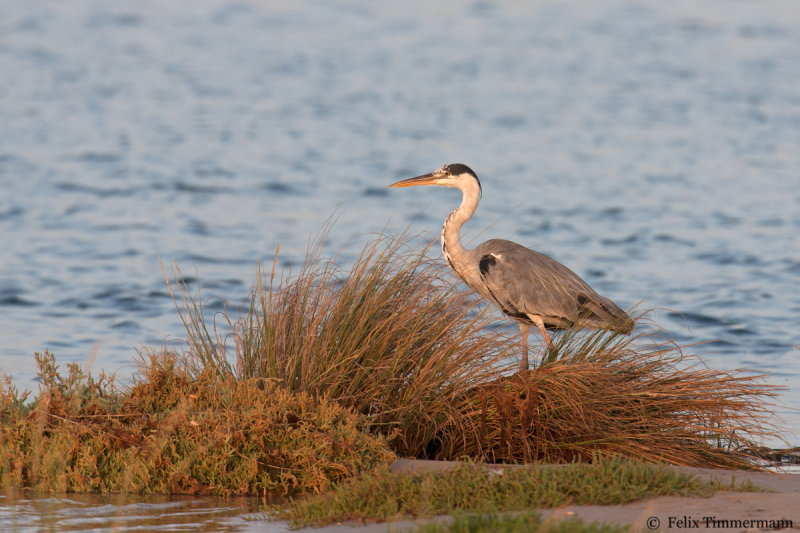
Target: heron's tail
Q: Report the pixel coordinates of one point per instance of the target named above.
(601, 313)
(624, 324)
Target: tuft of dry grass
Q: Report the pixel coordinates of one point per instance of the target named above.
(389, 338)
(607, 395)
(176, 432)
(393, 339)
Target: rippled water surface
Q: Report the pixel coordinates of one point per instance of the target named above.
(21, 512)
(652, 147)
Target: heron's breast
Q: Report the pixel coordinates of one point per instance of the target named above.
(452, 264)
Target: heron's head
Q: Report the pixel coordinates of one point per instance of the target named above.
(452, 175)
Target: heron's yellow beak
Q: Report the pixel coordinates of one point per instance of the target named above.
(425, 179)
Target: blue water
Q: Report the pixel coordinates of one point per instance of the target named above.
(652, 147)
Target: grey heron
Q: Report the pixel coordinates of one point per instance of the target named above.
(528, 286)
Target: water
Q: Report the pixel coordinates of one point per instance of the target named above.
(652, 147)
(21, 512)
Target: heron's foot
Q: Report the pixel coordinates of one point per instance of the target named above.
(550, 352)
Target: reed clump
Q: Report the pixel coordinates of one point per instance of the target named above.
(605, 394)
(392, 339)
(177, 432)
(396, 341)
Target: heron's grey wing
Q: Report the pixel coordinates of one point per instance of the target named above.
(525, 282)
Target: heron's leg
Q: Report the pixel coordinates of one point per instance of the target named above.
(523, 331)
(540, 324)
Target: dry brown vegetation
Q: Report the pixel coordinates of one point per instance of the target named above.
(622, 397)
(177, 432)
(391, 339)
(394, 340)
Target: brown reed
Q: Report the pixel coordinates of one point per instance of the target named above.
(395, 340)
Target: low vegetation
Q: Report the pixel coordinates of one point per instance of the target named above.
(523, 522)
(471, 487)
(176, 432)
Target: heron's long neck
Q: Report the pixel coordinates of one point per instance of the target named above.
(453, 251)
